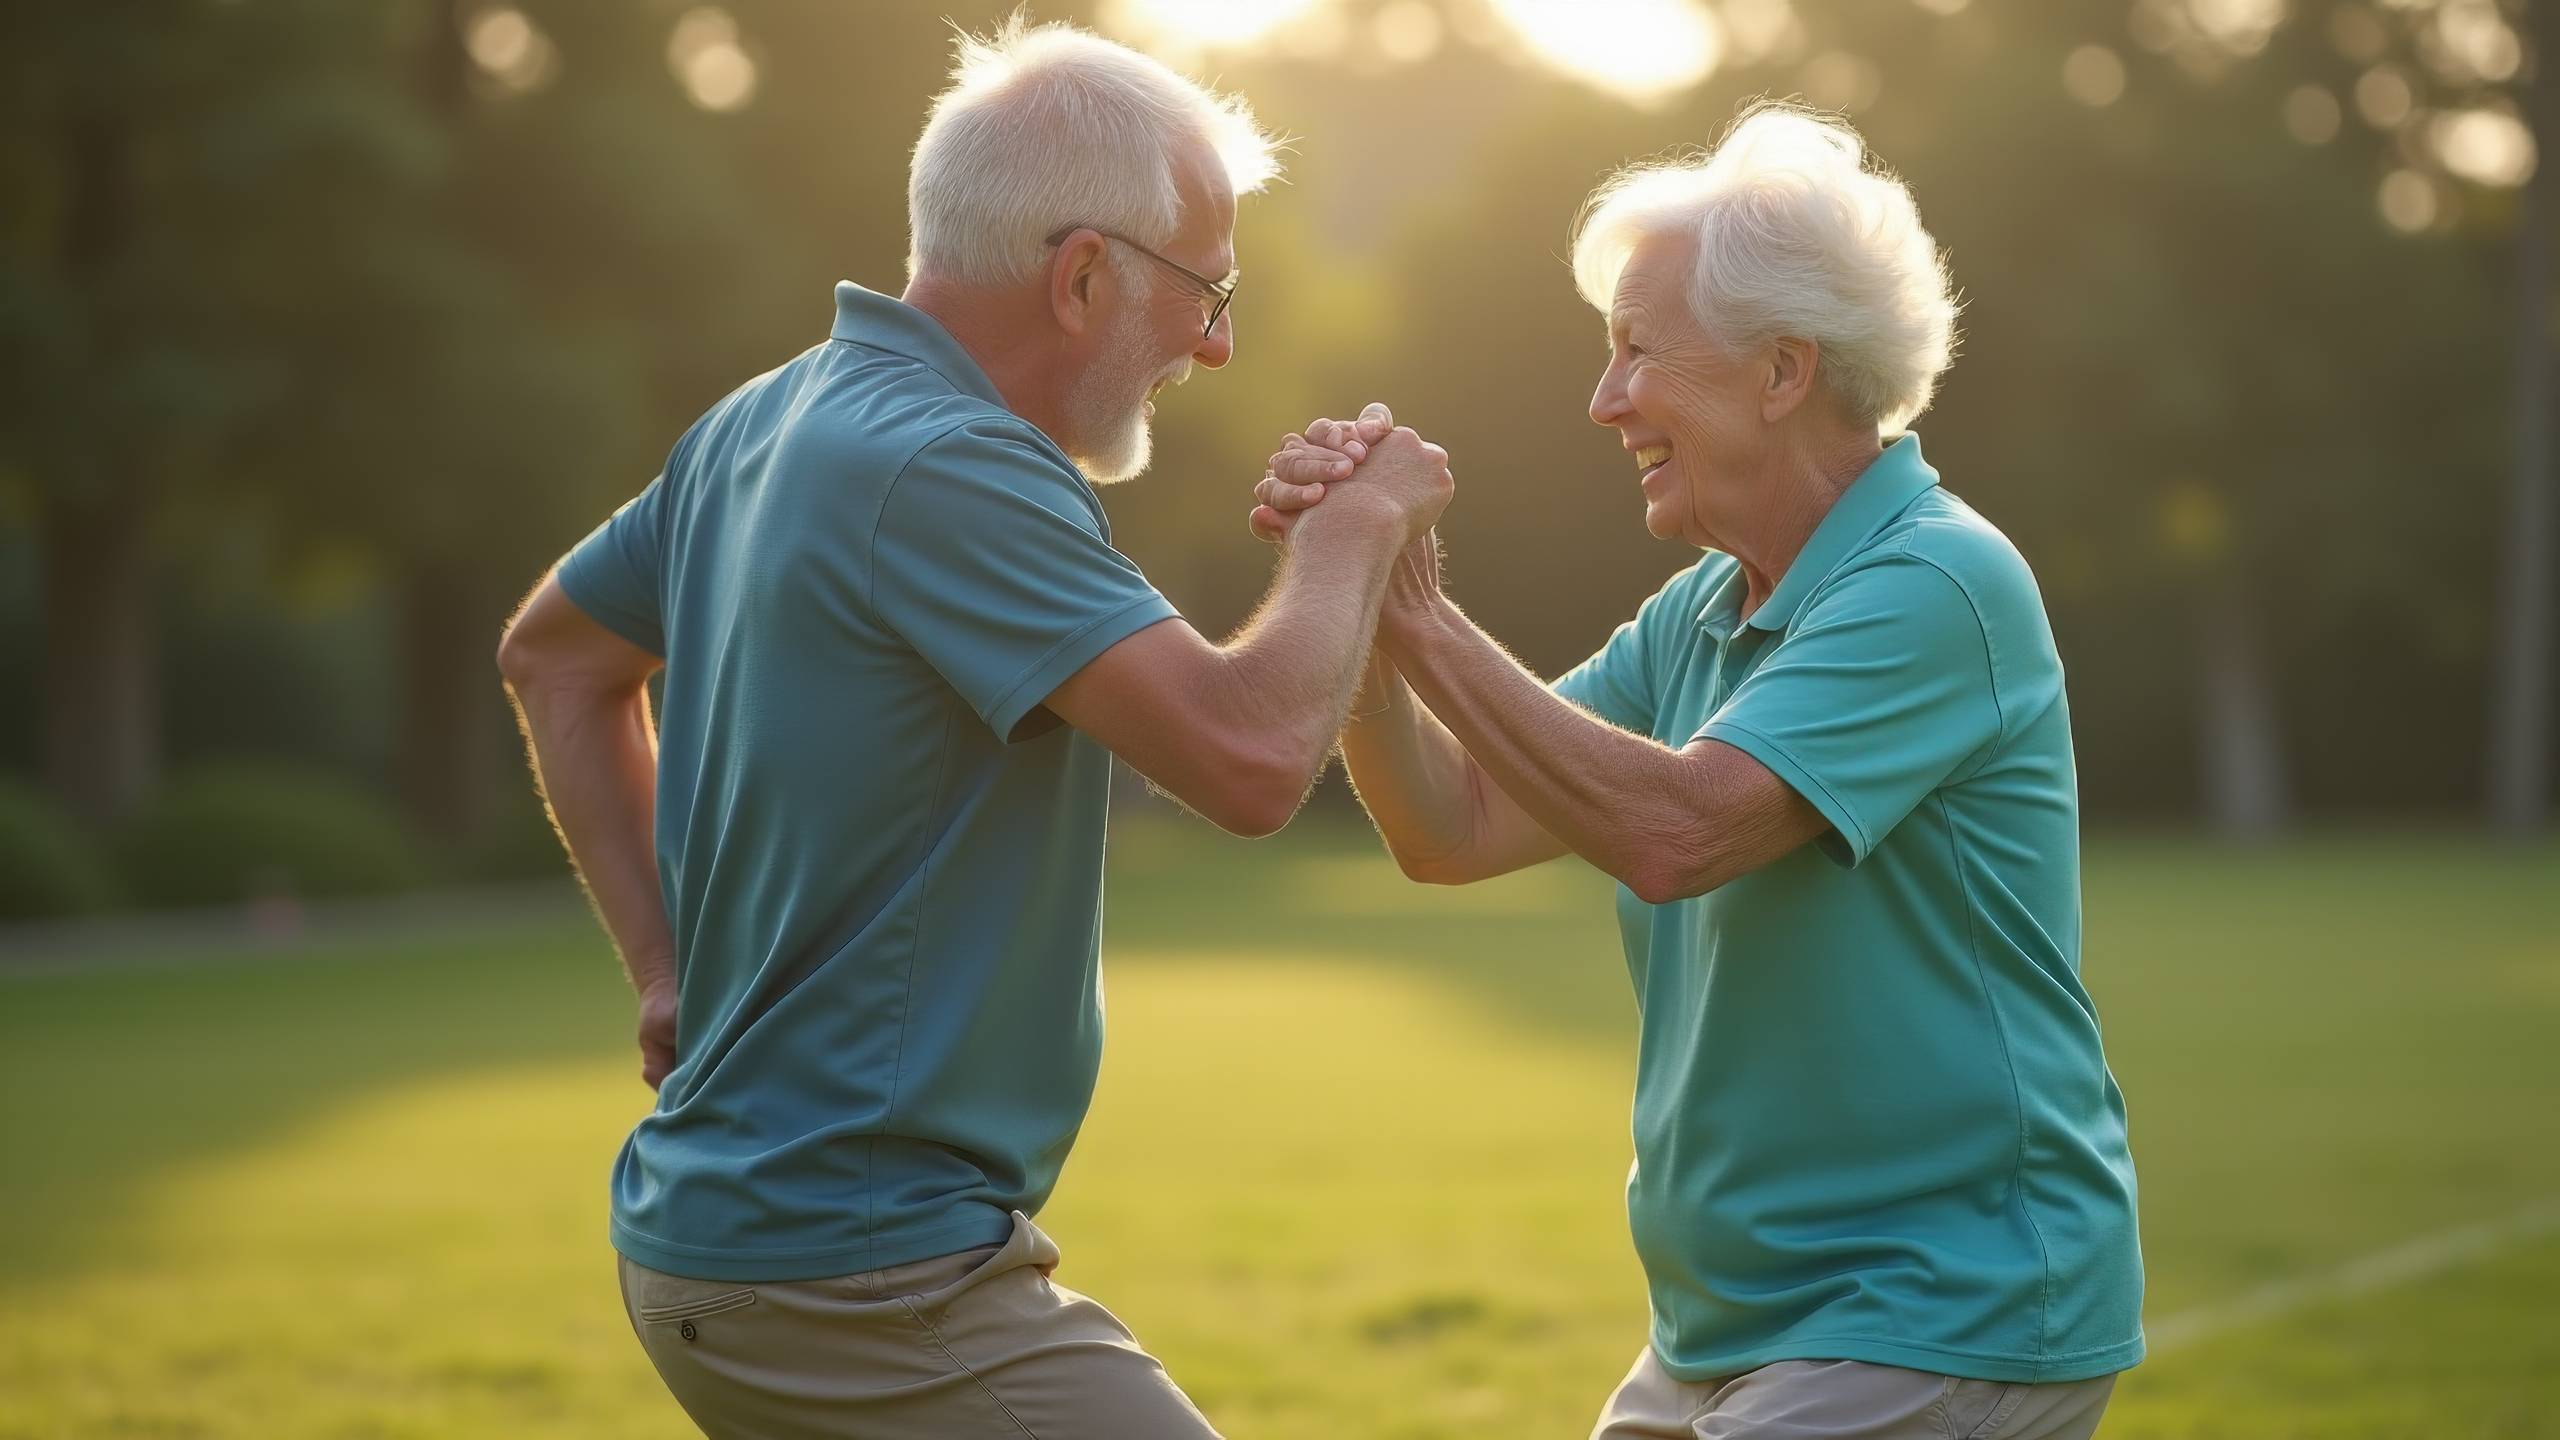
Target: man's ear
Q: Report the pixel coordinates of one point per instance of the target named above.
(1793, 364)
(1077, 275)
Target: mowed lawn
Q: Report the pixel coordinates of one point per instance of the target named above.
(1354, 1171)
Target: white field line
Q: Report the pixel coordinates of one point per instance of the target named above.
(2383, 1269)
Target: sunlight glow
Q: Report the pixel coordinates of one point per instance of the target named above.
(1408, 31)
(1203, 24)
(1644, 51)
(1759, 30)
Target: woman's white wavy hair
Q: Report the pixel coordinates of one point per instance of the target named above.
(1048, 125)
(1800, 233)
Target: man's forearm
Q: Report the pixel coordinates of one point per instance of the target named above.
(1614, 798)
(1295, 665)
(595, 761)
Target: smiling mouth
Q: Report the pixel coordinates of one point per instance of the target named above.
(1650, 459)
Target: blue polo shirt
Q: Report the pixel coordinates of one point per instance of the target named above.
(1872, 1118)
(882, 858)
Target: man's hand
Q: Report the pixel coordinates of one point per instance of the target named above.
(1325, 454)
(657, 1032)
(1402, 486)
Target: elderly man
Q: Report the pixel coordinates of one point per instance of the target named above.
(1881, 1185)
(856, 872)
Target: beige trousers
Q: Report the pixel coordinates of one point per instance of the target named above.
(1845, 1400)
(978, 1343)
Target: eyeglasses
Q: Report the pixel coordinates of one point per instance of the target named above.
(1217, 294)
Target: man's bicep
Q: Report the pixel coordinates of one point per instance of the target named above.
(1154, 700)
(553, 640)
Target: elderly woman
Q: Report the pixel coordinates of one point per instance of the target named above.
(1881, 1185)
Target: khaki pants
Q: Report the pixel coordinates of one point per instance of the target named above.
(1845, 1400)
(973, 1344)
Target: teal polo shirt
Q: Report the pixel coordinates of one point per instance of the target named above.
(1872, 1119)
(882, 857)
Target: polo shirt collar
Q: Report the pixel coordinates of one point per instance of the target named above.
(1883, 490)
(866, 317)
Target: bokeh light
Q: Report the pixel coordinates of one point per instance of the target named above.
(2484, 146)
(710, 61)
(2093, 75)
(2408, 201)
(1645, 51)
(509, 48)
(2312, 115)
(2469, 41)
(2383, 97)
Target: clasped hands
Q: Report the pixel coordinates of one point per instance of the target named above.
(1374, 465)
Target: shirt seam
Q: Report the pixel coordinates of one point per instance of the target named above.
(1990, 667)
(2009, 1060)
(889, 494)
(907, 982)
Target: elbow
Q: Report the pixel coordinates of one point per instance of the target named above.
(516, 664)
(1661, 872)
(1655, 885)
(1265, 788)
(1431, 869)
(1258, 806)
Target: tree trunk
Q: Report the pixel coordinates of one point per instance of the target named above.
(2520, 712)
(101, 690)
(449, 699)
(2244, 770)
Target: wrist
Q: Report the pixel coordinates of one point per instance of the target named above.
(1345, 519)
(1405, 629)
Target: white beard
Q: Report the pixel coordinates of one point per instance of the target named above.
(1107, 405)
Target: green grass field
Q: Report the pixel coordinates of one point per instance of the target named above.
(1354, 1170)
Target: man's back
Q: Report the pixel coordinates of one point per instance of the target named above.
(881, 859)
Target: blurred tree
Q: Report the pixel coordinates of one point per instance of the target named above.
(148, 149)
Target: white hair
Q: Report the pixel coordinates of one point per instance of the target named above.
(1799, 234)
(1046, 126)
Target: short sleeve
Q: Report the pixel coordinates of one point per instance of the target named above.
(616, 573)
(1621, 682)
(993, 560)
(1879, 693)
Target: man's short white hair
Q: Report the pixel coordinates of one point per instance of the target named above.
(1046, 126)
(1800, 234)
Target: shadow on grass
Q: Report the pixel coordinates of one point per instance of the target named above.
(113, 1078)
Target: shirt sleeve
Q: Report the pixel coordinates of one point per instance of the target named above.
(993, 559)
(1621, 683)
(1879, 693)
(616, 573)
